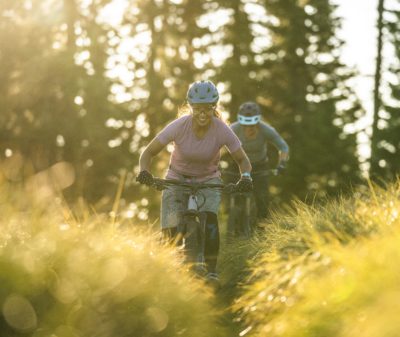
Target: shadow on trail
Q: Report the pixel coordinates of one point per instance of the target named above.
(234, 268)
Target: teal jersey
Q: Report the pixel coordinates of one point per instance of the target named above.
(257, 149)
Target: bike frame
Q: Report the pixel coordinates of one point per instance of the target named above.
(240, 219)
(242, 210)
(191, 229)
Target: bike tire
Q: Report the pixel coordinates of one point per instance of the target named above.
(246, 219)
(194, 238)
(246, 229)
(232, 223)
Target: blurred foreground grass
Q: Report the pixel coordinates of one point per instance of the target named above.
(324, 271)
(317, 271)
(62, 277)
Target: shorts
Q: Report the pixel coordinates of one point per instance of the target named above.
(175, 198)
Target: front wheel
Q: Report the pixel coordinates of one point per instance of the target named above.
(233, 218)
(247, 225)
(194, 239)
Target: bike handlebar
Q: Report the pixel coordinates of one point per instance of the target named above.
(264, 173)
(194, 186)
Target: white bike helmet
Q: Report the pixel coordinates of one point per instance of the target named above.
(202, 92)
(249, 113)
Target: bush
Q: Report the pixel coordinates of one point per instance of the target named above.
(327, 270)
(64, 277)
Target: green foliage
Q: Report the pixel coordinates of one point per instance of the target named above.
(320, 270)
(307, 98)
(386, 144)
(60, 276)
(56, 99)
(78, 88)
(239, 70)
(326, 271)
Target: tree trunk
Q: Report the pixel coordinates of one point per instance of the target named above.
(377, 97)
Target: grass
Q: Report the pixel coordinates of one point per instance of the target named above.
(61, 276)
(326, 270)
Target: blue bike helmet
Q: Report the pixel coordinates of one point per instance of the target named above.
(249, 113)
(202, 92)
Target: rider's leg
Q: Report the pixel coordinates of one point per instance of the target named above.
(261, 196)
(172, 205)
(211, 248)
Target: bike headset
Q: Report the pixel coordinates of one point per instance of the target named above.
(202, 92)
(249, 113)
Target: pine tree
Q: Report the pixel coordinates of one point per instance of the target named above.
(166, 59)
(385, 162)
(34, 109)
(376, 161)
(307, 98)
(236, 37)
(62, 104)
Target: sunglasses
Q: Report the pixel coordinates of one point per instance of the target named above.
(207, 109)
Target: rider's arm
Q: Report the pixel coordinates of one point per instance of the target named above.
(283, 156)
(276, 139)
(242, 160)
(151, 150)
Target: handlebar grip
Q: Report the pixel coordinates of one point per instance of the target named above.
(230, 188)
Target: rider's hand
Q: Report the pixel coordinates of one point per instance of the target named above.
(244, 185)
(145, 178)
(281, 167)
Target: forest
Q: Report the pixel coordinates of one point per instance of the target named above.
(85, 84)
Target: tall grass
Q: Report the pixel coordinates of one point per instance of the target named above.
(65, 277)
(327, 270)
(317, 271)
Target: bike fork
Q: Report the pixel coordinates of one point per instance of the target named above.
(231, 218)
(247, 224)
(194, 236)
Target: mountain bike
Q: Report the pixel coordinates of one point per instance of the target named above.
(242, 210)
(191, 227)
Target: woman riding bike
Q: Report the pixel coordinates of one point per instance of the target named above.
(255, 135)
(198, 137)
